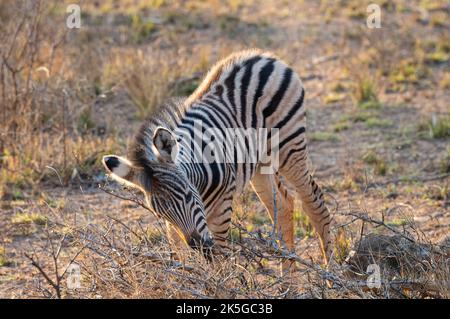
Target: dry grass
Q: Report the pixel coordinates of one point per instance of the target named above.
(119, 259)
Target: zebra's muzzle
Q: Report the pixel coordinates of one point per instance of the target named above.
(205, 245)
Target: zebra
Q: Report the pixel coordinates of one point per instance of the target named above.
(251, 89)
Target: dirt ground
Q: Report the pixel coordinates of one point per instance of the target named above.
(377, 107)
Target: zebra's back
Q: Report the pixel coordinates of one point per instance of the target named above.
(256, 88)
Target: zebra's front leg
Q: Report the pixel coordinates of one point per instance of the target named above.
(219, 222)
(280, 205)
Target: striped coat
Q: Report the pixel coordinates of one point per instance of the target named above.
(250, 91)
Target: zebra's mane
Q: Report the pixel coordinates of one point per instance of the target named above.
(167, 115)
(171, 112)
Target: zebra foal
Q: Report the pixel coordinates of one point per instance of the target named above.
(248, 91)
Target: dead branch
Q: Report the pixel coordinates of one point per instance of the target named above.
(36, 264)
(55, 253)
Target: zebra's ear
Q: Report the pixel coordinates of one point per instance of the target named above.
(121, 170)
(165, 145)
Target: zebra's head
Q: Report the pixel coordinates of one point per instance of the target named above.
(166, 187)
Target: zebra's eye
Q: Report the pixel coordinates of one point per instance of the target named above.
(189, 196)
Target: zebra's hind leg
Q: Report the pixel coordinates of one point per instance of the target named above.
(271, 191)
(296, 172)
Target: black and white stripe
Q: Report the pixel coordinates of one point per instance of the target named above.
(250, 89)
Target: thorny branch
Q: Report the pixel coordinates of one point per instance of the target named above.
(55, 254)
